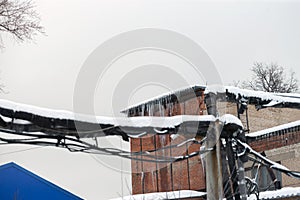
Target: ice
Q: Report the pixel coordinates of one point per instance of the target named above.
(142, 177)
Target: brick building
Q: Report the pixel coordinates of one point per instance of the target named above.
(280, 145)
(184, 175)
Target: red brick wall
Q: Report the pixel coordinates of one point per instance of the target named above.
(188, 174)
(151, 177)
(159, 177)
(276, 141)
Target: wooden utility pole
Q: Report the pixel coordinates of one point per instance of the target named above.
(214, 183)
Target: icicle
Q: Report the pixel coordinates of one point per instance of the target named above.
(153, 181)
(162, 141)
(159, 108)
(143, 111)
(148, 108)
(171, 109)
(151, 109)
(202, 157)
(169, 99)
(142, 177)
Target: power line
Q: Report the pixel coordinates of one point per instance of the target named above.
(18, 151)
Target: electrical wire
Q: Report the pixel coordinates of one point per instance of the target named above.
(81, 146)
(270, 164)
(19, 151)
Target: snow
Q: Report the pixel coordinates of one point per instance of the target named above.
(162, 122)
(163, 195)
(140, 121)
(274, 129)
(274, 194)
(283, 192)
(272, 164)
(231, 119)
(60, 114)
(272, 103)
(275, 97)
(161, 96)
(278, 166)
(293, 95)
(17, 121)
(215, 89)
(159, 122)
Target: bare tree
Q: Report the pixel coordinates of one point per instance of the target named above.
(271, 78)
(19, 19)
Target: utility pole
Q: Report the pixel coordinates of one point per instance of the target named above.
(214, 184)
(240, 164)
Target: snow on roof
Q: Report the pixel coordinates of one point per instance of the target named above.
(274, 98)
(31, 118)
(178, 93)
(159, 122)
(281, 193)
(59, 114)
(142, 121)
(292, 95)
(215, 89)
(274, 129)
(163, 195)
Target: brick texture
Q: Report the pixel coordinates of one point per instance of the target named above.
(159, 177)
(189, 174)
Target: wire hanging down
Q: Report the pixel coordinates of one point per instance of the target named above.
(44, 127)
(75, 144)
(267, 162)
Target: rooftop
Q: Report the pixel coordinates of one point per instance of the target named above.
(259, 98)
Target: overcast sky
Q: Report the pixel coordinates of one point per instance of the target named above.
(44, 73)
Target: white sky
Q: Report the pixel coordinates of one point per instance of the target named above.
(234, 35)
